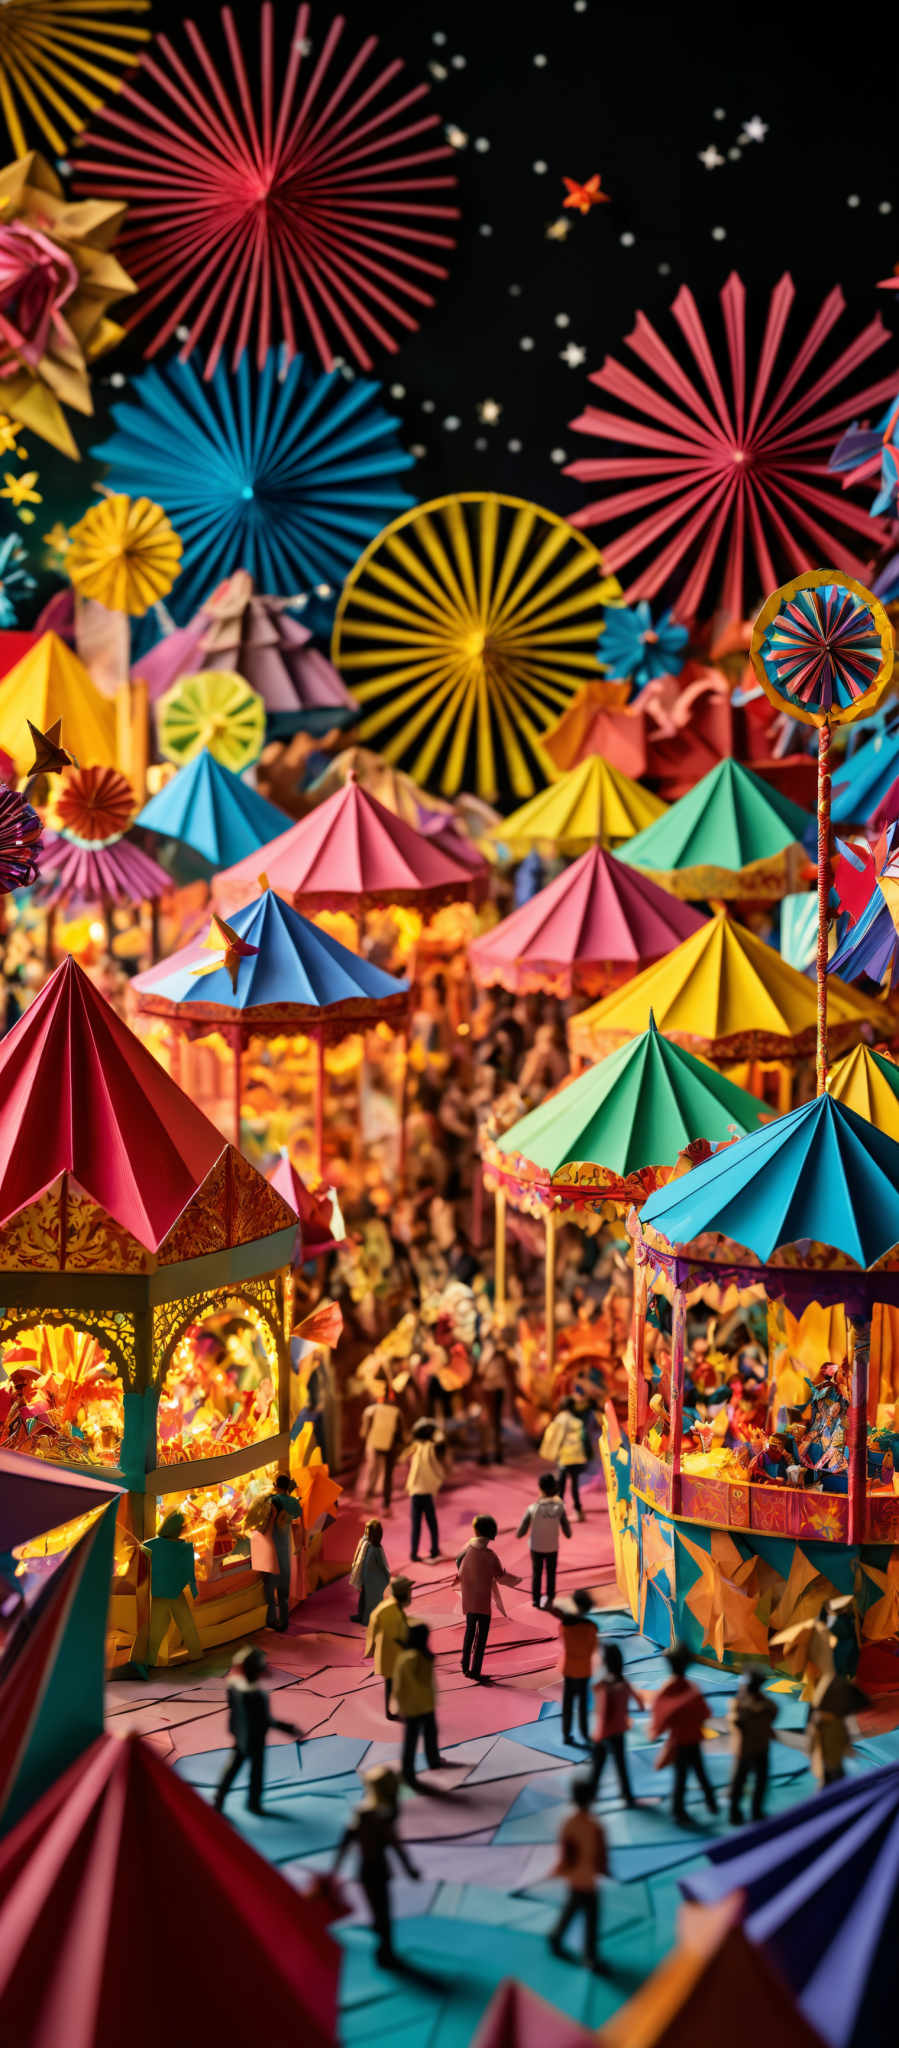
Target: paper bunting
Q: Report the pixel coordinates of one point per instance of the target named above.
(325, 200)
(215, 711)
(463, 630)
(285, 475)
(55, 54)
(822, 649)
(720, 478)
(124, 553)
(92, 806)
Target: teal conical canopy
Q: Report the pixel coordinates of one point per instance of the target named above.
(730, 821)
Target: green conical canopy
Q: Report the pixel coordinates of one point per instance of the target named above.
(638, 1107)
(729, 820)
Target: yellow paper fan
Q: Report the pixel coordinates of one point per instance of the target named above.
(59, 61)
(216, 710)
(125, 553)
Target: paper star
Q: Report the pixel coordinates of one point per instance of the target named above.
(456, 137)
(9, 429)
(585, 196)
(558, 230)
(573, 355)
(58, 538)
(236, 949)
(755, 129)
(49, 756)
(20, 489)
(489, 411)
(711, 157)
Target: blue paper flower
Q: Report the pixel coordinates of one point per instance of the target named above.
(287, 475)
(630, 645)
(861, 451)
(15, 581)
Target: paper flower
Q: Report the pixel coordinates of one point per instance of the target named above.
(92, 806)
(15, 580)
(20, 489)
(124, 553)
(873, 451)
(58, 278)
(287, 476)
(20, 841)
(585, 196)
(630, 645)
(54, 54)
(213, 710)
(821, 648)
(330, 209)
(719, 480)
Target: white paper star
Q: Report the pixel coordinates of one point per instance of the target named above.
(456, 137)
(573, 355)
(489, 411)
(711, 157)
(755, 129)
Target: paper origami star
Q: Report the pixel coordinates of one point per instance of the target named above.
(585, 196)
(236, 949)
(49, 756)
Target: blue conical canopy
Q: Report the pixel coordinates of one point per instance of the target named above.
(208, 808)
(295, 965)
(821, 1172)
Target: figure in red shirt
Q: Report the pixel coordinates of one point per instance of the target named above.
(479, 1573)
(611, 1695)
(679, 1712)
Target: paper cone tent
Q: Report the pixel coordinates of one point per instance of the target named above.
(731, 836)
(821, 1889)
(820, 1173)
(89, 1122)
(725, 994)
(209, 812)
(115, 1867)
(593, 927)
(392, 786)
(348, 853)
(262, 640)
(636, 1110)
(868, 1083)
(715, 1986)
(594, 804)
(49, 683)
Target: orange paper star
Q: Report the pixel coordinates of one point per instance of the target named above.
(236, 949)
(585, 196)
(49, 757)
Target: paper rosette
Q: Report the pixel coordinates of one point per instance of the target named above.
(92, 806)
(822, 648)
(216, 710)
(124, 553)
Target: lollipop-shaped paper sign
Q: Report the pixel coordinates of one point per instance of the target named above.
(822, 648)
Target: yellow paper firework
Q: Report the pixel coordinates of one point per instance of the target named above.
(59, 61)
(125, 553)
(466, 627)
(215, 710)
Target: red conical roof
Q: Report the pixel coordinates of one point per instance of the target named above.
(120, 1870)
(588, 928)
(79, 1094)
(348, 852)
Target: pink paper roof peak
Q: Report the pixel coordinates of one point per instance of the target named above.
(348, 852)
(591, 917)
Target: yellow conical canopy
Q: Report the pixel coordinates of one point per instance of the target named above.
(49, 683)
(868, 1083)
(725, 993)
(593, 804)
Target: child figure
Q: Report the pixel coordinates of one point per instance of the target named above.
(388, 1633)
(752, 1715)
(582, 1862)
(414, 1700)
(478, 1572)
(372, 1833)
(679, 1711)
(426, 1476)
(578, 1635)
(544, 1519)
(370, 1572)
(249, 1720)
(565, 1442)
(382, 1429)
(611, 1696)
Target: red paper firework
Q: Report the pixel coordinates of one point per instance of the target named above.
(246, 205)
(730, 477)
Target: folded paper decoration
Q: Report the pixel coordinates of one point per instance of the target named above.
(318, 1213)
(117, 1853)
(73, 875)
(821, 1172)
(51, 683)
(715, 1977)
(868, 1083)
(392, 786)
(728, 479)
(124, 553)
(517, 2018)
(35, 1497)
(594, 804)
(210, 816)
(464, 629)
(861, 783)
(265, 642)
(287, 474)
(349, 852)
(593, 927)
(358, 183)
(212, 712)
(92, 805)
(731, 836)
(53, 58)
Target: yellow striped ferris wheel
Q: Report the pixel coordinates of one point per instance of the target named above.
(463, 631)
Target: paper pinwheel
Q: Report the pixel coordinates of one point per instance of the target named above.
(822, 649)
(214, 710)
(92, 806)
(124, 553)
(286, 474)
(330, 208)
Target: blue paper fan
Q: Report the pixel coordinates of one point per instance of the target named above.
(287, 475)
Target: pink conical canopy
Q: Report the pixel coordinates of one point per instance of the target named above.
(348, 852)
(598, 922)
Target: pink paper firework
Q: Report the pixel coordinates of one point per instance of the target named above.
(330, 197)
(725, 479)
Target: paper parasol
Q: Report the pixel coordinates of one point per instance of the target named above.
(53, 56)
(214, 710)
(822, 648)
(124, 553)
(465, 628)
(92, 806)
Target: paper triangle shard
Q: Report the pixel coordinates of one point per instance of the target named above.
(517, 2018)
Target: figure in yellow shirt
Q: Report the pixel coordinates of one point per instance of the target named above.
(414, 1701)
(388, 1633)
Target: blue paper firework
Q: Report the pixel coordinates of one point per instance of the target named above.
(287, 473)
(631, 645)
(15, 581)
